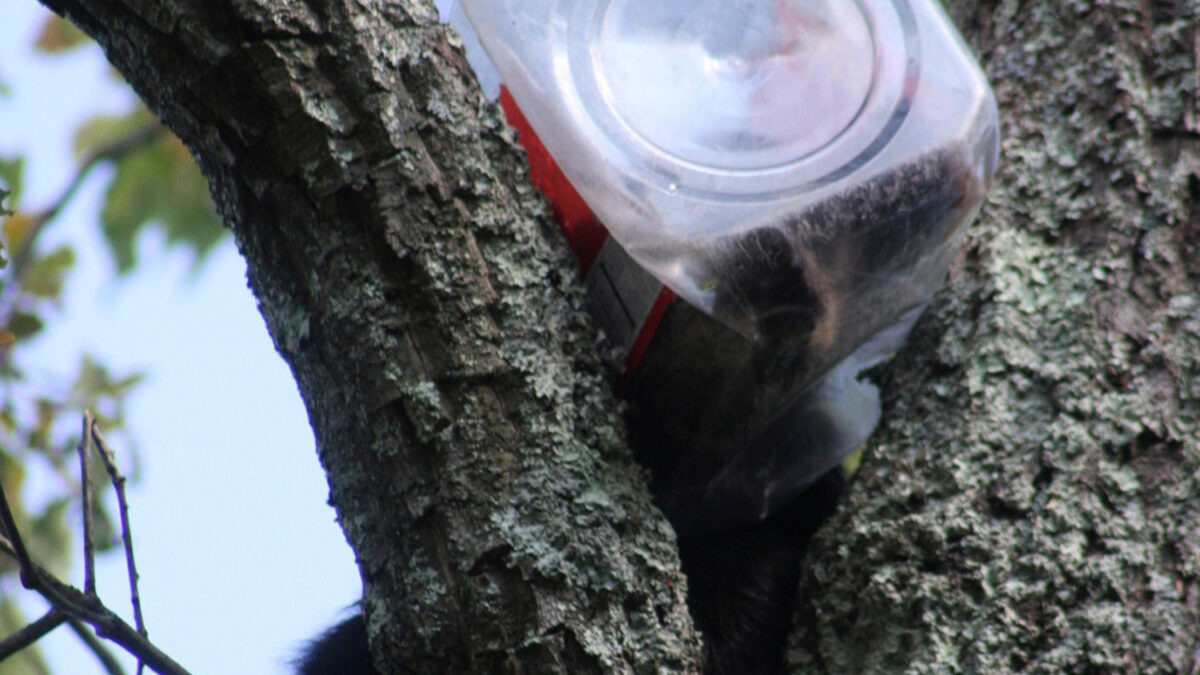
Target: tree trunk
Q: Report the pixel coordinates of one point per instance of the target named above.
(431, 318)
(1033, 501)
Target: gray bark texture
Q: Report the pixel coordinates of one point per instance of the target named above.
(1032, 503)
(432, 320)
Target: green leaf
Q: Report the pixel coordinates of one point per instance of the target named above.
(12, 173)
(92, 378)
(49, 535)
(39, 434)
(8, 422)
(59, 35)
(12, 475)
(24, 324)
(106, 535)
(44, 278)
(102, 131)
(122, 385)
(159, 185)
(15, 228)
(94, 381)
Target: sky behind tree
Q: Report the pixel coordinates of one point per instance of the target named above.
(239, 555)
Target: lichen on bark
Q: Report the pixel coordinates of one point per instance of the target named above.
(433, 323)
(1030, 503)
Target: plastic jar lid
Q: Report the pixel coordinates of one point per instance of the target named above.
(764, 97)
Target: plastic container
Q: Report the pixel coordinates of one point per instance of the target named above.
(797, 172)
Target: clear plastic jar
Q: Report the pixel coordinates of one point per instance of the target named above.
(798, 172)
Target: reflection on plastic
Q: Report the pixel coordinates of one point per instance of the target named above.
(775, 81)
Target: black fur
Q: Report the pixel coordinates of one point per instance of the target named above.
(341, 650)
(742, 584)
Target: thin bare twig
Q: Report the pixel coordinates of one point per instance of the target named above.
(89, 519)
(31, 633)
(111, 665)
(77, 605)
(118, 481)
(87, 607)
(6, 547)
(16, 547)
(74, 603)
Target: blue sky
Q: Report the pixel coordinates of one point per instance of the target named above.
(239, 555)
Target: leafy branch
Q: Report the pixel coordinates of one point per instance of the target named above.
(137, 138)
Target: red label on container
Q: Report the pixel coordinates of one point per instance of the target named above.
(584, 231)
(627, 302)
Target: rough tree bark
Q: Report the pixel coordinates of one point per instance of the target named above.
(432, 321)
(1031, 503)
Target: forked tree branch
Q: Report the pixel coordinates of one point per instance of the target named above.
(69, 603)
(96, 646)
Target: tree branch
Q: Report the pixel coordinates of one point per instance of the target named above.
(97, 648)
(84, 606)
(1030, 502)
(10, 293)
(31, 633)
(135, 139)
(118, 483)
(74, 603)
(429, 312)
(84, 449)
(13, 545)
